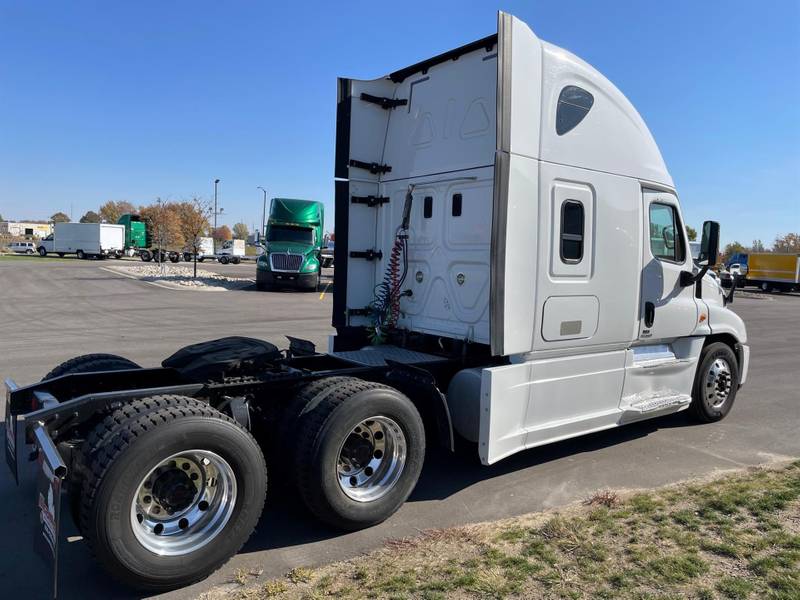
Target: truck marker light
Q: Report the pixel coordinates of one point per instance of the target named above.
(703, 317)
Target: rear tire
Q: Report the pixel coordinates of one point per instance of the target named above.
(140, 472)
(359, 451)
(85, 364)
(80, 255)
(88, 363)
(174, 257)
(715, 383)
(236, 260)
(61, 255)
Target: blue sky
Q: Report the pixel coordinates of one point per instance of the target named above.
(131, 101)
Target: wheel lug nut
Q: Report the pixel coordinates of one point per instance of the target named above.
(368, 471)
(377, 454)
(194, 476)
(185, 466)
(353, 481)
(183, 523)
(202, 505)
(146, 499)
(158, 529)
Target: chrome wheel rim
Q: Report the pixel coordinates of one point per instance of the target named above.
(719, 382)
(183, 503)
(371, 459)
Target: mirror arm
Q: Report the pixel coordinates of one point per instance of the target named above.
(688, 278)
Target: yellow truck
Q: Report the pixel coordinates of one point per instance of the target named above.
(772, 272)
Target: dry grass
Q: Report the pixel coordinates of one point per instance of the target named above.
(732, 538)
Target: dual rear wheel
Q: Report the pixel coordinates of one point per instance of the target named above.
(165, 489)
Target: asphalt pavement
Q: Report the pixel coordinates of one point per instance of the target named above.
(53, 310)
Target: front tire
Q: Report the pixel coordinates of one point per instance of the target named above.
(42, 251)
(223, 260)
(715, 383)
(359, 452)
(171, 494)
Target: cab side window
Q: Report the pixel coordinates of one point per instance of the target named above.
(666, 233)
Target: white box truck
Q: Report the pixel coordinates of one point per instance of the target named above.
(85, 240)
(231, 251)
(511, 267)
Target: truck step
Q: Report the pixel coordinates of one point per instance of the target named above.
(657, 401)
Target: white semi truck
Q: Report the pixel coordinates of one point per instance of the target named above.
(85, 240)
(512, 268)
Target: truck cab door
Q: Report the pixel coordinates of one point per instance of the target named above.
(668, 310)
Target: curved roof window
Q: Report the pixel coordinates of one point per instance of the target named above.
(574, 104)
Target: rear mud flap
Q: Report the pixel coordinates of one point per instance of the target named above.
(50, 475)
(13, 441)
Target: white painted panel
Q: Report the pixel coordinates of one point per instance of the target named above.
(536, 402)
(519, 275)
(570, 317)
(526, 89)
(449, 121)
(612, 137)
(362, 275)
(651, 378)
(613, 249)
(448, 256)
(505, 395)
(368, 123)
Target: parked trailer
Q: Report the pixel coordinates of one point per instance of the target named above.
(85, 240)
(484, 226)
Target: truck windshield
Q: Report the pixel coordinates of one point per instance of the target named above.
(283, 233)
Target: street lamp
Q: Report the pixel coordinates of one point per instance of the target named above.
(263, 213)
(216, 212)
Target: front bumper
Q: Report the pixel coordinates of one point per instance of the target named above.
(291, 280)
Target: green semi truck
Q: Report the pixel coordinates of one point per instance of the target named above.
(293, 245)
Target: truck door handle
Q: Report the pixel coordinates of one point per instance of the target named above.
(649, 314)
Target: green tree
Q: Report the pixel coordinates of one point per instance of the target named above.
(692, 233)
(1, 218)
(90, 217)
(60, 217)
(240, 231)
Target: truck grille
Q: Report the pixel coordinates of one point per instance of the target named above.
(282, 261)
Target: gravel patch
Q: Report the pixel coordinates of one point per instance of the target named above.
(180, 277)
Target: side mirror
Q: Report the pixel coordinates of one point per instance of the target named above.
(669, 237)
(709, 245)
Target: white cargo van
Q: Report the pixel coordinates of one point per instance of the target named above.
(85, 240)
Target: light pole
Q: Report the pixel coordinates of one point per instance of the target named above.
(263, 214)
(214, 232)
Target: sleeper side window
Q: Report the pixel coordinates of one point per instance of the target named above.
(666, 233)
(572, 231)
(574, 104)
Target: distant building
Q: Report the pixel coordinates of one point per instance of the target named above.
(25, 229)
